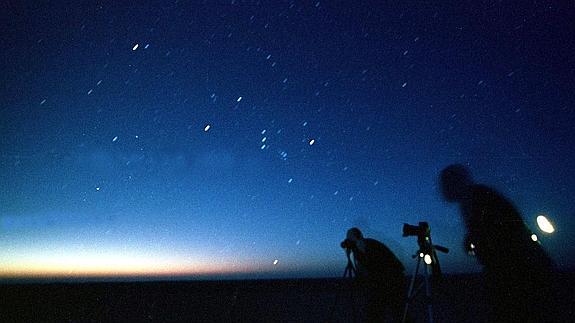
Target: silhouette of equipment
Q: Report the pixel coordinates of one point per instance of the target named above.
(426, 252)
(349, 271)
(348, 274)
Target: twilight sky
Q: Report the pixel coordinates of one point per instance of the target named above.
(243, 139)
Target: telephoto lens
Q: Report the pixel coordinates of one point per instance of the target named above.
(346, 244)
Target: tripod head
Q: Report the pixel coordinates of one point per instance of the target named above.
(427, 250)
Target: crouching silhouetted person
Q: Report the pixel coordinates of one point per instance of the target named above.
(516, 269)
(380, 275)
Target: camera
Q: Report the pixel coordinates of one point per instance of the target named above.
(421, 231)
(423, 234)
(347, 244)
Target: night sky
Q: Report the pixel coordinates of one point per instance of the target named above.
(242, 139)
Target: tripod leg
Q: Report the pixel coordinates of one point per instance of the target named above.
(347, 274)
(428, 296)
(410, 291)
(353, 305)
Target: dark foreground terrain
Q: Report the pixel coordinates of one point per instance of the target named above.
(456, 299)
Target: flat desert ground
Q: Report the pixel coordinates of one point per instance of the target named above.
(457, 298)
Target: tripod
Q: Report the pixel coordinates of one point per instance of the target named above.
(412, 294)
(349, 271)
(348, 274)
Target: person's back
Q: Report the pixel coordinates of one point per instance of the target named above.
(379, 261)
(380, 274)
(517, 271)
(501, 237)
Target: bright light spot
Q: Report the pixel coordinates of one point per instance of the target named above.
(239, 99)
(97, 188)
(90, 92)
(534, 237)
(264, 139)
(135, 47)
(311, 142)
(404, 84)
(472, 246)
(544, 224)
(263, 147)
(263, 131)
(115, 139)
(290, 180)
(147, 45)
(207, 127)
(43, 101)
(427, 259)
(99, 82)
(421, 255)
(276, 262)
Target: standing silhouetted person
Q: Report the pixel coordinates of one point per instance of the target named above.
(380, 274)
(516, 269)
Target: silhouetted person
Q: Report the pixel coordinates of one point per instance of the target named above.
(516, 269)
(380, 274)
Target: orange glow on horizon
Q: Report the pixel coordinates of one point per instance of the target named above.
(42, 272)
(112, 265)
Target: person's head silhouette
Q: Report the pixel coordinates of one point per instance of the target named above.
(354, 234)
(454, 182)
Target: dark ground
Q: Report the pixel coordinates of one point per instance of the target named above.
(457, 299)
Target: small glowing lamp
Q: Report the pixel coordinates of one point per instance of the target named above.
(544, 224)
(421, 255)
(534, 237)
(427, 259)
